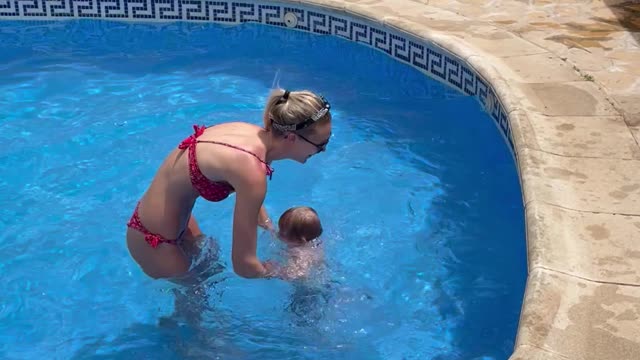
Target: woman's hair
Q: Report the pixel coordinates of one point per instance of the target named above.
(300, 223)
(287, 109)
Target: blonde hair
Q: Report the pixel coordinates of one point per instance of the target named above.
(297, 107)
(300, 223)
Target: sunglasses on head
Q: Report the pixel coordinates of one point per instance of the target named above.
(321, 147)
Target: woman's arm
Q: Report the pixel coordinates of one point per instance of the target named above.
(249, 198)
(250, 184)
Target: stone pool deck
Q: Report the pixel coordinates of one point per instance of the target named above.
(569, 74)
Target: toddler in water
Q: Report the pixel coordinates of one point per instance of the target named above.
(299, 228)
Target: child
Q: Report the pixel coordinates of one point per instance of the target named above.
(300, 229)
(299, 226)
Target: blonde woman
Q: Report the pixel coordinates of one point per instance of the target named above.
(214, 162)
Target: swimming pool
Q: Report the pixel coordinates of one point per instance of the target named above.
(418, 192)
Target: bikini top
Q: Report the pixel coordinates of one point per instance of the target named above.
(210, 190)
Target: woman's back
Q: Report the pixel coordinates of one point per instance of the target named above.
(171, 195)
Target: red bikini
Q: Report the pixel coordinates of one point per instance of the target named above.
(209, 190)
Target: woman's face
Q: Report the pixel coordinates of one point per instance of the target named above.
(311, 144)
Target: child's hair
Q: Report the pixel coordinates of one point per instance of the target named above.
(300, 223)
(291, 108)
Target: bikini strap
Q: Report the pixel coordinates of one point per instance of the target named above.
(269, 168)
(191, 140)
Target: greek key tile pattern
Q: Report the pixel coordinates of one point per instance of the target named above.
(431, 60)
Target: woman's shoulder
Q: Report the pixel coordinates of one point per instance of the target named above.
(231, 154)
(233, 125)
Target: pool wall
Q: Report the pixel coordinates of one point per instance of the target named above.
(578, 162)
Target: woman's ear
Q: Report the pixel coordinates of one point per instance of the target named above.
(289, 136)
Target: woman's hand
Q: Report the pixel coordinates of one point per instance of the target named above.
(272, 269)
(267, 225)
(264, 221)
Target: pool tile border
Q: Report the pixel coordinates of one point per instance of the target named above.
(427, 57)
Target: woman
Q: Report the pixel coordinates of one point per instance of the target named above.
(214, 162)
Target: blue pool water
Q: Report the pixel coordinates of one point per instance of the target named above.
(418, 194)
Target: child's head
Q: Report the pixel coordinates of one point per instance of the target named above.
(299, 224)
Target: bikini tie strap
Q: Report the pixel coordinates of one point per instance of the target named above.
(191, 140)
(153, 240)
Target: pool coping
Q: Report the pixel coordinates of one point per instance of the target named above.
(578, 160)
